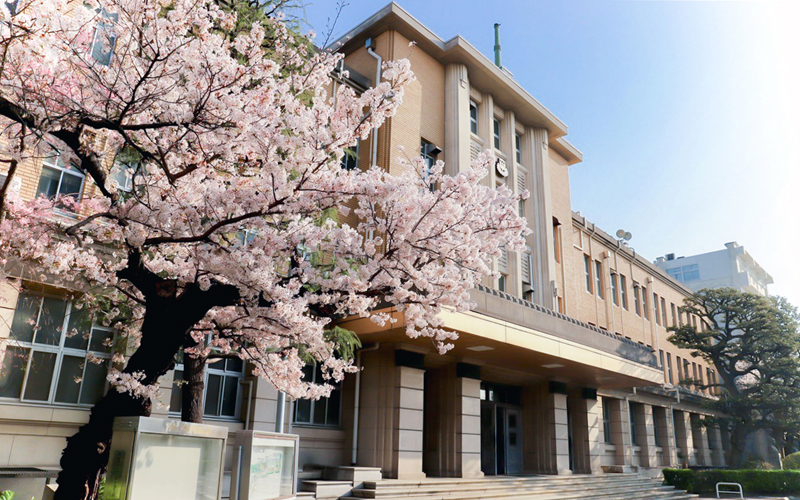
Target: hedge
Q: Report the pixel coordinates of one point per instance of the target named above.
(792, 461)
(763, 482)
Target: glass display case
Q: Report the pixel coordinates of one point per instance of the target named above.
(158, 458)
(267, 466)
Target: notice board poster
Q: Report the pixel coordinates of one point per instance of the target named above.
(270, 469)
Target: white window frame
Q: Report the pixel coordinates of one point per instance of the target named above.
(313, 403)
(225, 374)
(54, 163)
(106, 22)
(60, 350)
(473, 120)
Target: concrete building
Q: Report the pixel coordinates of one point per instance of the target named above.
(732, 267)
(562, 368)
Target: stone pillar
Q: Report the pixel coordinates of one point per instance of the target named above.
(684, 437)
(666, 434)
(508, 129)
(718, 450)
(536, 157)
(407, 431)
(468, 427)
(559, 431)
(645, 435)
(263, 407)
(586, 420)
(620, 432)
(700, 435)
(456, 122)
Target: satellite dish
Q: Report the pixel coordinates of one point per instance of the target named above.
(627, 236)
(620, 233)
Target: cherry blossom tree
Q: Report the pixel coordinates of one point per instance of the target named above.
(229, 149)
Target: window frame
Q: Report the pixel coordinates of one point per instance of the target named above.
(669, 368)
(518, 148)
(623, 285)
(225, 374)
(348, 157)
(598, 271)
(637, 304)
(53, 163)
(656, 314)
(60, 350)
(312, 404)
(497, 139)
(614, 289)
(587, 266)
(606, 421)
(106, 22)
(473, 117)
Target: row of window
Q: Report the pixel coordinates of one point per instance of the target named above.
(56, 354)
(593, 271)
(496, 132)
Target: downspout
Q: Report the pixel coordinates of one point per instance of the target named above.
(357, 403)
(374, 136)
(653, 326)
(280, 413)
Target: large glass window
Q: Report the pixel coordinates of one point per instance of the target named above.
(350, 158)
(104, 38)
(685, 273)
(54, 353)
(324, 411)
(632, 423)
(606, 420)
(473, 117)
(60, 179)
(221, 395)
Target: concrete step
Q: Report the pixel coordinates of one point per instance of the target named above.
(327, 489)
(304, 495)
(643, 494)
(356, 475)
(421, 491)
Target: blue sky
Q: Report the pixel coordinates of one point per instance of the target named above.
(688, 113)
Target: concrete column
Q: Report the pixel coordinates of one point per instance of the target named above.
(468, 427)
(409, 394)
(620, 432)
(718, 451)
(456, 123)
(666, 433)
(684, 438)
(586, 432)
(264, 405)
(645, 435)
(536, 157)
(559, 432)
(700, 435)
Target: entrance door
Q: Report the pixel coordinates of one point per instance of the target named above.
(513, 441)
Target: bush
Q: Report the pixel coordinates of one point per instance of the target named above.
(756, 463)
(792, 461)
(764, 482)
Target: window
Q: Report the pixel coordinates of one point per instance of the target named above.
(686, 374)
(59, 179)
(3, 178)
(614, 297)
(324, 411)
(11, 5)
(496, 128)
(429, 153)
(694, 373)
(645, 311)
(598, 274)
(655, 309)
(125, 169)
(556, 242)
(636, 305)
(661, 358)
(221, 395)
(473, 117)
(518, 147)
(587, 266)
(632, 413)
(669, 368)
(104, 38)
(47, 355)
(685, 273)
(656, 429)
(350, 158)
(606, 420)
(501, 283)
(680, 368)
(623, 291)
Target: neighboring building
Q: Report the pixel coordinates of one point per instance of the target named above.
(563, 366)
(733, 267)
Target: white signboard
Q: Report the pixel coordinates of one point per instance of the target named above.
(268, 470)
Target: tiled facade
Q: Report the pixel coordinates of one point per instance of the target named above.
(557, 371)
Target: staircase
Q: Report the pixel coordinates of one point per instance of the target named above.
(578, 487)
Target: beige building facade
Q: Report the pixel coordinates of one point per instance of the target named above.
(563, 367)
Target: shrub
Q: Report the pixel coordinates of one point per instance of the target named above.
(766, 482)
(756, 463)
(792, 461)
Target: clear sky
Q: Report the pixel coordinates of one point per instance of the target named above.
(687, 113)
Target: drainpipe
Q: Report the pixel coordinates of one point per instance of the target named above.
(281, 412)
(357, 404)
(653, 326)
(374, 139)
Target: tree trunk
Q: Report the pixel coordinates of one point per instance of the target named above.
(192, 395)
(738, 437)
(84, 459)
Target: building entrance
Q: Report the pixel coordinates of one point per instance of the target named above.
(501, 429)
